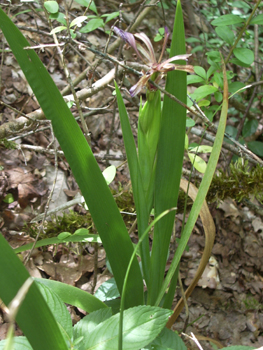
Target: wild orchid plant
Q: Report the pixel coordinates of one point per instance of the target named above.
(150, 123)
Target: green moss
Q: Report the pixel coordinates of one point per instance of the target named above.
(241, 182)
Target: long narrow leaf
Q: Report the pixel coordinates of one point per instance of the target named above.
(34, 316)
(203, 189)
(97, 195)
(137, 185)
(169, 160)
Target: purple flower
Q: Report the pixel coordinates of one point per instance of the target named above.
(147, 55)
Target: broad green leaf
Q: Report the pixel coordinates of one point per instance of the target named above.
(239, 63)
(226, 34)
(199, 164)
(34, 316)
(60, 17)
(87, 324)
(64, 235)
(256, 147)
(189, 122)
(20, 343)
(107, 291)
(203, 91)
(257, 20)
(231, 131)
(77, 21)
(96, 193)
(51, 6)
(235, 86)
(227, 20)
(193, 79)
(218, 96)
(109, 174)
(73, 296)
(204, 103)
(200, 71)
(93, 24)
(244, 55)
(141, 325)
(59, 310)
(167, 340)
(250, 128)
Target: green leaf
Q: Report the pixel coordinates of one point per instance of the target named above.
(101, 203)
(202, 149)
(239, 63)
(73, 296)
(189, 122)
(250, 128)
(107, 291)
(137, 184)
(141, 325)
(92, 25)
(167, 340)
(257, 20)
(83, 237)
(218, 96)
(169, 161)
(198, 162)
(20, 343)
(88, 323)
(109, 174)
(64, 235)
(110, 16)
(86, 3)
(227, 20)
(256, 147)
(8, 198)
(235, 86)
(193, 79)
(200, 71)
(34, 316)
(203, 91)
(60, 17)
(226, 34)
(51, 6)
(59, 310)
(203, 189)
(244, 55)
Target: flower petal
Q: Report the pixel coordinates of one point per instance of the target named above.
(144, 38)
(178, 57)
(128, 38)
(135, 89)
